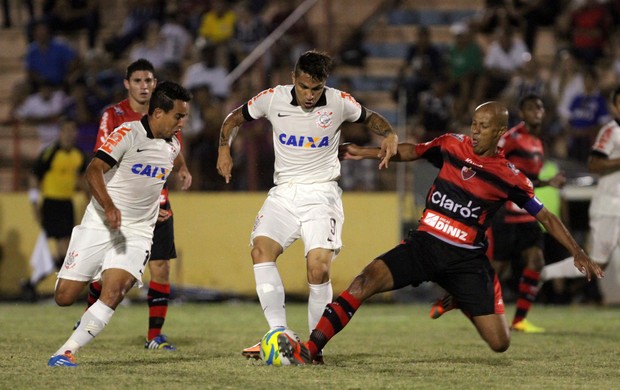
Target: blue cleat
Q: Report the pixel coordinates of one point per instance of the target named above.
(66, 359)
(159, 342)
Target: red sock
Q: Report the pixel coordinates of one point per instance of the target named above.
(157, 299)
(335, 317)
(528, 290)
(94, 292)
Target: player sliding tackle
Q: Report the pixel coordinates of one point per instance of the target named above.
(475, 176)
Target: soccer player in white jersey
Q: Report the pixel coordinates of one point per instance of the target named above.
(604, 212)
(113, 241)
(306, 200)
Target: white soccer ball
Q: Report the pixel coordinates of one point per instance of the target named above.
(270, 349)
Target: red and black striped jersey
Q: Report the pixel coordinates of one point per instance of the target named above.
(469, 189)
(526, 152)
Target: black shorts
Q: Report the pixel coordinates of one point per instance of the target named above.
(163, 241)
(467, 274)
(511, 239)
(57, 218)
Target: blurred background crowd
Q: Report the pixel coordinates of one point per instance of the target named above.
(427, 80)
(422, 66)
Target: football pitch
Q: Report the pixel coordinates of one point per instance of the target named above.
(386, 346)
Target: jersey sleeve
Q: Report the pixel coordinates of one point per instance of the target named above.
(116, 145)
(106, 126)
(352, 110)
(431, 150)
(606, 139)
(258, 106)
(522, 191)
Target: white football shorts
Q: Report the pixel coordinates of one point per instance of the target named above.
(604, 236)
(312, 212)
(92, 251)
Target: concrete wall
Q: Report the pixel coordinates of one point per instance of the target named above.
(212, 238)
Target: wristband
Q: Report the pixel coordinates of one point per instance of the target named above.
(33, 195)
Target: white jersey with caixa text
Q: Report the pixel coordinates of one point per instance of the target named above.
(140, 166)
(305, 142)
(606, 198)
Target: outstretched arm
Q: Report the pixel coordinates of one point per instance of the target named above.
(227, 133)
(404, 152)
(379, 125)
(557, 229)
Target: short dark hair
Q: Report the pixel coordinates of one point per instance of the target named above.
(138, 65)
(165, 94)
(615, 93)
(527, 98)
(315, 63)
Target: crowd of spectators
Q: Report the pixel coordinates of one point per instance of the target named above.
(73, 69)
(494, 55)
(198, 43)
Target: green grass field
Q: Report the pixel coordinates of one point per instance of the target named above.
(385, 346)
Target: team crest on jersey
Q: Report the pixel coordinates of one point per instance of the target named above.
(70, 260)
(324, 119)
(467, 173)
(460, 137)
(512, 167)
(118, 111)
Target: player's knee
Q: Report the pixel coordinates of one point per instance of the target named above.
(63, 298)
(500, 346)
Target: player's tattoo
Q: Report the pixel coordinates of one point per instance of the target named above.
(378, 124)
(230, 127)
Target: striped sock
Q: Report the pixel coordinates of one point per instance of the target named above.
(157, 298)
(335, 317)
(528, 290)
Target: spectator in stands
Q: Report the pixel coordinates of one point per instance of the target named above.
(141, 12)
(84, 108)
(178, 39)
(588, 112)
(296, 40)
(497, 14)
(49, 59)
(152, 47)
(435, 110)
(464, 67)
(69, 16)
(200, 136)
(217, 25)
(356, 175)
(527, 80)
(6, 11)
(423, 61)
(535, 14)
(566, 82)
(505, 55)
(588, 28)
(248, 33)
(208, 72)
(43, 109)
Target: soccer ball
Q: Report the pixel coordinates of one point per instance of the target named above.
(270, 350)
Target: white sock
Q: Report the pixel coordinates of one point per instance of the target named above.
(320, 296)
(91, 324)
(270, 292)
(561, 269)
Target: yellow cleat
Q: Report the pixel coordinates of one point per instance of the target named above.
(527, 327)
